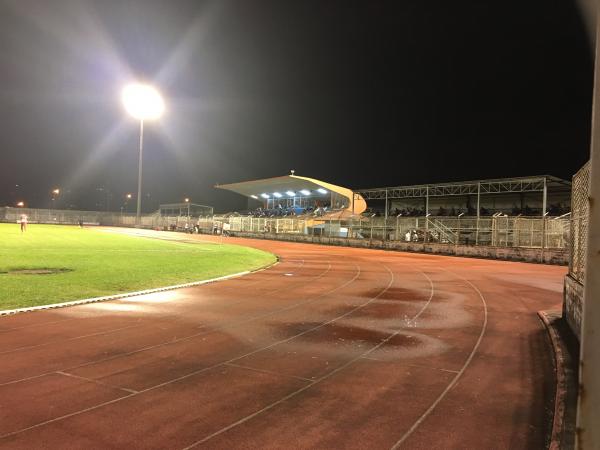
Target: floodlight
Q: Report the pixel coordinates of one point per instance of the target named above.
(254, 197)
(128, 196)
(291, 193)
(56, 191)
(264, 195)
(277, 194)
(187, 200)
(142, 101)
(322, 191)
(21, 204)
(305, 192)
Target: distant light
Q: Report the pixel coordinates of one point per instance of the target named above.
(142, 101)
(305, 192)
(290, 193)
(277, 194)
(254, 196)
(56, 191)
(187, 200)
(20, 204)
(322, 191)
(264, 195)
(128, 196)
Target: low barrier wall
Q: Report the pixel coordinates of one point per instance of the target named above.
(535, 255)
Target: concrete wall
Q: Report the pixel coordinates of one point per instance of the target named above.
(573, 304)
(536, 255)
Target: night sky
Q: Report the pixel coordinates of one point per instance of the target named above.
(357, 93)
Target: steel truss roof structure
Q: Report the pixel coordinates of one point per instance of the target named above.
(496, 186)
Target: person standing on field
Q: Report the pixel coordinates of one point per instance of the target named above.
(23, 222)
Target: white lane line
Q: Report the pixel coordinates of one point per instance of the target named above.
(166, 383)
(75, 338)
(90, 380)
(458, 375)
(270, 372)
(313, 382)
(195, 335)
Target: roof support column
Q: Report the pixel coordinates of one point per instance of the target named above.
(427, 201)
(478, 209)
(544, 197)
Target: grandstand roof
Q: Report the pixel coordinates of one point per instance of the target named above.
(274, 184)
(491, 186)
(295, 183)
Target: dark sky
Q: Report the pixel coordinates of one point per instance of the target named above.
(358, 93)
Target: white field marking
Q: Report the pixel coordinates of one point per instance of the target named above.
(166, 383)
(324, 377)
(93, 316)
(99, 333)
(458, 375)
(126, 294)
(175, 341)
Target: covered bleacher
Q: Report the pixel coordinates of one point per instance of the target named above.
(293, 195)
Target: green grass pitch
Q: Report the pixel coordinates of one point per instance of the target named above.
(96, 263)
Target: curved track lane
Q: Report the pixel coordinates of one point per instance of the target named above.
(333, 347)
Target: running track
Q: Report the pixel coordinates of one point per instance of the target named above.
(331, 348)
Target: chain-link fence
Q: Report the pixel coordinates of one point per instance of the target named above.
(546, 232)
(499, 231)
(579, 223)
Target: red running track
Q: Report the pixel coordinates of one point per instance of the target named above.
(331, 348)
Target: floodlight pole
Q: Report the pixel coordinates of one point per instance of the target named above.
(139, 195)
(588, 408)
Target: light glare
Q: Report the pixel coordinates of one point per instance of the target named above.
(322, 191)
(142, 101)
(291, 193)
(305, 192)
(277, 194)
(264, 195)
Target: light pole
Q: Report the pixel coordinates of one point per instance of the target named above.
(143, 102)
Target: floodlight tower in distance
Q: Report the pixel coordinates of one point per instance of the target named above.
(142, 102)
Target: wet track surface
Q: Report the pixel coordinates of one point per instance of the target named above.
(331, 348)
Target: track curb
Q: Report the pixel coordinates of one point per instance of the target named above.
(557, 437)
(105, 298)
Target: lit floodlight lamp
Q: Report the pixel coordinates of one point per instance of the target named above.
(277, 194)
(321, 191)
(187, 200)
(255, 197)
(20, 204)
(264, 195)
(290, 193)
(56, 191)
(142, 101)
(128, 196)
(305, 192)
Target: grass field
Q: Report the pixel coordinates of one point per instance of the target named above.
(92, 263)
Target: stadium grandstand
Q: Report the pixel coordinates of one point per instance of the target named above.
(522, 196)
(293, 195)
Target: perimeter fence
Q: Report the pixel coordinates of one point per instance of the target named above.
(579, 223)
(575, 280)
(505, 231)
(499, 231)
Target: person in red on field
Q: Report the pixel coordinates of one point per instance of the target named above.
(23, 222)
